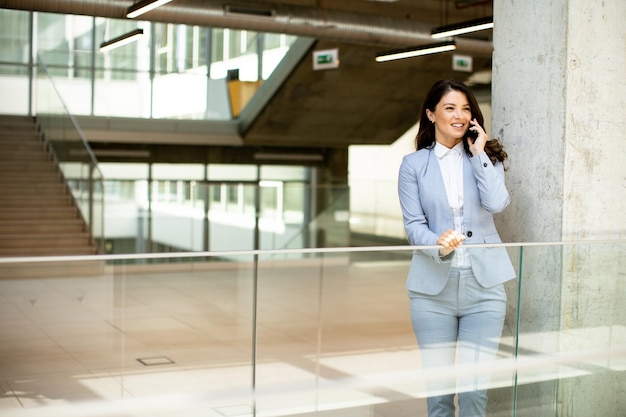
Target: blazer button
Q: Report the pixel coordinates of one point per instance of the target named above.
(485, 164)
(469, 233)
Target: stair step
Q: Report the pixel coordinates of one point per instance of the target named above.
(30, 146)
(13, 189)
(49, 251)
(29, 179)
(24, 156)
(48, 213)
(23, 202)
(41, 226)
(7, 133)
(10, 142)
(44, 240)
(43, 166)
(17, 127)
(30, 174)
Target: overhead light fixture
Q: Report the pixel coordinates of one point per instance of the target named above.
(417, 51)
(463, 27)
(121, 40)
(144, 6)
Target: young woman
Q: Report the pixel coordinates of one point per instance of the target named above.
(449, 189)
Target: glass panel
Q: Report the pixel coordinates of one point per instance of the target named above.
(180, 96)
(275, 48)
(128, 81)
(180, 84)
(122, 75)
(328, 334)
(232, 172)
(235, 50)
(285, 172)
(128, 337)
(178, 171)
(231, 223)
(180, 48)
(64, 43)
(14, 36)
(122, 93)
(572, 333)
(132, 57)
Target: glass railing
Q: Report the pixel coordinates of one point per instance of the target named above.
(259, 333)
(72, 152)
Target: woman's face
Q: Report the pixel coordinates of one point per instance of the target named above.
(451, 116)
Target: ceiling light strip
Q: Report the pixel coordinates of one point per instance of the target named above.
(463, 27)
(145, 6)
(121, 40)
(417, 51)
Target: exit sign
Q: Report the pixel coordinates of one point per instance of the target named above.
(326, 59)
(462, 63)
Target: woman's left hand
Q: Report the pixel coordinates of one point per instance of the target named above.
(478, 146)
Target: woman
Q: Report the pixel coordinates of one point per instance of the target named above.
(449, 189)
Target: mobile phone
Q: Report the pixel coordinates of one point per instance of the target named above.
(472, 134)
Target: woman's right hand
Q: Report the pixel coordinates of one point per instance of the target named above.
(450, 240)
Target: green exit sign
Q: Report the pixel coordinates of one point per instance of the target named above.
(462, 63)
(326, 59)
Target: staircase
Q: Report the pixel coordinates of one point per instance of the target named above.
(38, 216)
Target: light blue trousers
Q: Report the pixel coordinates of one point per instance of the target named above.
(463, 315)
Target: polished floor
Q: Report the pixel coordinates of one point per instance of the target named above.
(332, 337)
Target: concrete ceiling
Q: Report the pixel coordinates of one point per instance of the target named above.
(362, 101)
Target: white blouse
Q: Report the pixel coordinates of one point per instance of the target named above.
(451, 165)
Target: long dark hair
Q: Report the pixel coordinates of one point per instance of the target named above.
(426, 134)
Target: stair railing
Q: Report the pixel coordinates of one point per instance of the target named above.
(71, 151)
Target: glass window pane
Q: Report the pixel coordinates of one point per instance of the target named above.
(122, 94)
(128, 171)
(178, 172)
(129, 58)
(217, 45)
(14, 39)
(65, 43)
(294, 197)
(284, 172)
(180, 96)
(232, 172)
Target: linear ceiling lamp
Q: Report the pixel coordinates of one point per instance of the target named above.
(121, 40)
(417, 51)
(144, 6)
(463, 27)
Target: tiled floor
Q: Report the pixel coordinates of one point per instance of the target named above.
(180, 343)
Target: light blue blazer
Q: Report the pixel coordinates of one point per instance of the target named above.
(427, 214)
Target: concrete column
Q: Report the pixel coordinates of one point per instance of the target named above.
(559, 107)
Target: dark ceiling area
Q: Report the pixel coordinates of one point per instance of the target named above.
(360, 102)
